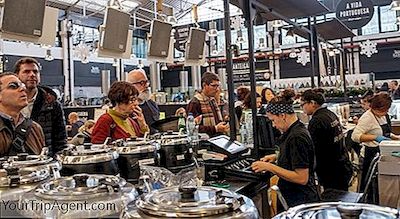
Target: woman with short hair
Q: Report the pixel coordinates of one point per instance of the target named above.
(124, 119)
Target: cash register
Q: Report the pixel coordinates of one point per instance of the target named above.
(226, 158)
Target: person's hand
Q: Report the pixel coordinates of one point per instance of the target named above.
(261, 166)
(269, 158)
(68, 127)
(222, 127)
(381, 138)
(138, 114)
(395, 137)
(198, 119)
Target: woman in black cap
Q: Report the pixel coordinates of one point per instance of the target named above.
(295, 162)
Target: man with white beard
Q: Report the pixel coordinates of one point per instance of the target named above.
(150, 109)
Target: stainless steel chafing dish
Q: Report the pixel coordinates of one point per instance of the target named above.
(80, 196)
(132, 154)
(192, 202)
(88, 158)
(339, 210)
(21, 174)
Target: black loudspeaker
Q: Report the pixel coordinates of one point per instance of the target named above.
(195, 44)
(160, 38)
(114, 36)
(24, 17)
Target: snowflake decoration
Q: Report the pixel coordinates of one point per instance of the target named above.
(303, 57)
(368, 48)
(237, 22)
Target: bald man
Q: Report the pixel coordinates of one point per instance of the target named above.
(75, 123)
(150, 109)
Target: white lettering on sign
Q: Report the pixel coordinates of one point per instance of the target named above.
(396, 54)
(241, 65)
(83, 114)
(95, 70)
(354, 9)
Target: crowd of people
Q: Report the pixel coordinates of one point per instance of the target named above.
(309, 156)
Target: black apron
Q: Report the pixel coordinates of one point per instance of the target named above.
(370, 153)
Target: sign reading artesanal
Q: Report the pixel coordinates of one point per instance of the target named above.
(355, 13)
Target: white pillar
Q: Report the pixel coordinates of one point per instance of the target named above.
(155, 77)
(196, 77)
(68, 61)
(184, 79)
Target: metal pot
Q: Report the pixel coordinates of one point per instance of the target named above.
(79, 196)
(88, 158)
(339, 210)
(176, 154)
(21, 174)
(192, 202)
(132, 154)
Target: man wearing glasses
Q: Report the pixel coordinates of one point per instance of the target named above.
(17, 133)
(43, 106)
(149, 108)
(203, 104)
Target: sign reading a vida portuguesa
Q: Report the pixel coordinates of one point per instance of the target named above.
(355, 13)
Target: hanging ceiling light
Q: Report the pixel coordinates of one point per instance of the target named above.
(212, 32)
(164, 67)
(336, 51)
(115, 63)
(277, 23)
(240, 38)
(277, 51)
(331, 53)
(324, 45)
(48, 56)
(214, 52)
(172, 20)
(140, 64)
(261, 43)
(290, 33)
(292, 53)
(205, 64)
(395, 5)
(84, 60)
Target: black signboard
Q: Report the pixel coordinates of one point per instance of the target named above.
(385, 64)
(355, 13)
(241, 71)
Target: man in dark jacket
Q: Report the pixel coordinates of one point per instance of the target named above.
(43, 106)
(150, 109)
(333, 166)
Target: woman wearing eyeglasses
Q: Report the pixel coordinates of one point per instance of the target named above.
(295, 162)
(118, 122)
(373, 127)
